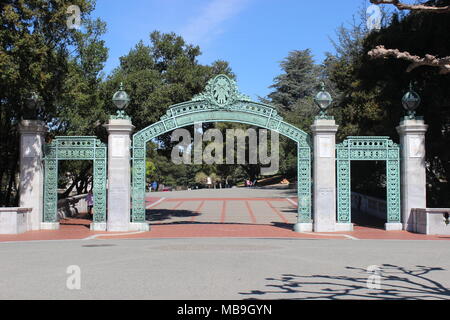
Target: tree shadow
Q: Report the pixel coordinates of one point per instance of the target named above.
(158, 215)
(283, 225)
(396, 283)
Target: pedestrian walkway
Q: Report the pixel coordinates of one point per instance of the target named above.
(226, 213)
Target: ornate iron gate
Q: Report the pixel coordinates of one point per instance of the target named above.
(363, 149)
(75, 148)
(222, 102)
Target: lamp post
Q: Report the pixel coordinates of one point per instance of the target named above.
(121, 101)
(411, 101)
(323, 100)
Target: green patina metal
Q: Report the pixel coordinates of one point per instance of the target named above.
(75, 148)
(364, 149)
(221, 102)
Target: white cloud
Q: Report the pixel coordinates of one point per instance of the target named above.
(209, 23)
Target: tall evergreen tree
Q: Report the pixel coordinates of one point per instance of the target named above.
(298, 81)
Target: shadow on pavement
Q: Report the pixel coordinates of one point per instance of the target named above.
(396, 283)
(165, 214)
(158, 216)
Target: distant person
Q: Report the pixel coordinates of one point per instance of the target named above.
(209, 182)
(154, 186)
(90, 204)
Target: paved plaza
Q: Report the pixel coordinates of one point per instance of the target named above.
(219, 213)
(239, 206)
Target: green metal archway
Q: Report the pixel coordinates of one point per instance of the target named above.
(368, 149)
(221, 102)
(75, 148)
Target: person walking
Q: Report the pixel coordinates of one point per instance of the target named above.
(90, 204)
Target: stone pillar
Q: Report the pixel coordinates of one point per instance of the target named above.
(119, 174)
(413, 170)
(32, 140)
(324, 172)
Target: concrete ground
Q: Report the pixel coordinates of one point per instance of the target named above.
(226, 269)
(223, 244)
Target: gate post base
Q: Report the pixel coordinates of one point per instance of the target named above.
(344, 227)
(98, 226)
(396, 226)
(49, 225)
(139, 226)
(303, 227)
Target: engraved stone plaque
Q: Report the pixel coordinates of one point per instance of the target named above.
(118, 147)
(326, 150)
(416, 147)
(29, 144)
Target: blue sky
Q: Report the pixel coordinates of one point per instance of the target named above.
(252, 35)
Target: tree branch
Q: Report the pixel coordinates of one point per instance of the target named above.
(413, 7)
(442, 63)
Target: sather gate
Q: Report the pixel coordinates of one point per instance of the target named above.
(120, 205)
(221, 102)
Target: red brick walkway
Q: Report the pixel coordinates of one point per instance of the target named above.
(215, 218)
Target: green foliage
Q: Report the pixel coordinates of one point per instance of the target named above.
(159, 75)
(201, 178)
(370, 91)
(38, 53)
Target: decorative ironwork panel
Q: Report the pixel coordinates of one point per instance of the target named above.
(368, 149)
(304, 184)
(75, 148)
(221, 102)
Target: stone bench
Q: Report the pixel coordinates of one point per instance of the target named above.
(430, 221)
(14, 220)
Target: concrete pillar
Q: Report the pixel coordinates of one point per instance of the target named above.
(413, 169)
(32, 140)
(324, 175)
(119, 174)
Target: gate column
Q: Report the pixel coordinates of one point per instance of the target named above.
(324, 181)
(119, 174)
(413, 170)
(32, 141)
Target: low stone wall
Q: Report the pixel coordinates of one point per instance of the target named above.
(15, 220)
(370, 205)
(430, 221)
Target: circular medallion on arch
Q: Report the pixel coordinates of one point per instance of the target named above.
(222, 91)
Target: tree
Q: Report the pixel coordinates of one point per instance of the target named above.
(293, 96)
(298, 81)
(38, 53)
(159, 75)
(369, 102)
(416, 61)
